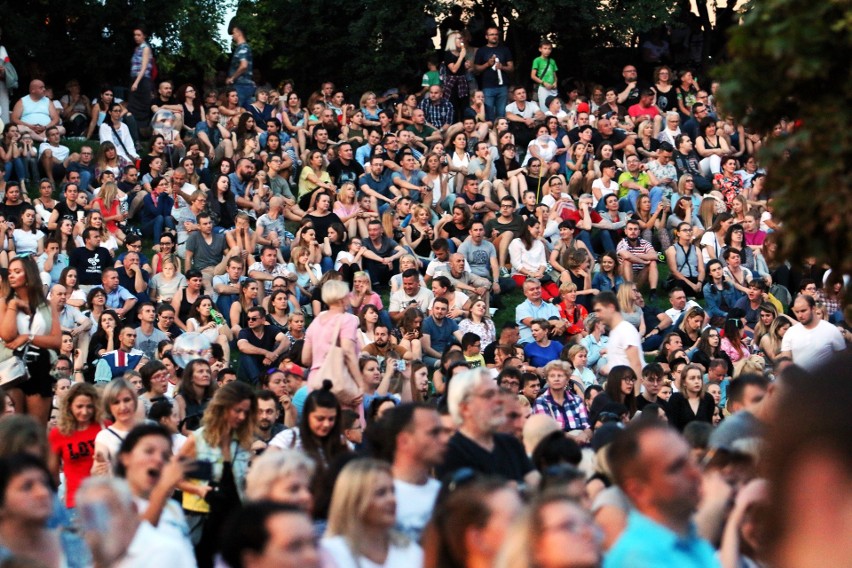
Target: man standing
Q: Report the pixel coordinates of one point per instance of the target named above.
(414, 437)
(240, 70)
(625, 343)
(652, 465)
(813, 340)
(35, 113)
(477, 408)
(206, 251)
(493, 63)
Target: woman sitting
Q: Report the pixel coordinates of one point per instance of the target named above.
(692, 401)
(570, 310)
(528, 256)
(208, 322)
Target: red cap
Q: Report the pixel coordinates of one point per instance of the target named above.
(583, 107)
(294, 369)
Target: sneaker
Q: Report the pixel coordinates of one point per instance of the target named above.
(504, 272)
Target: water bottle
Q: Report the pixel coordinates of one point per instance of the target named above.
(217, 317)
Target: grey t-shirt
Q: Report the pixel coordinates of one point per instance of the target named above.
(205, 255)
(148, 343)
(479, 256)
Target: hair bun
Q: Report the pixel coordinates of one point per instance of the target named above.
(327, 385)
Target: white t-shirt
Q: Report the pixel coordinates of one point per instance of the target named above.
(398, 556)
(605, 190)
(27, 241)
(764, 217)
(530, 109)
(812, 347)
(621, 337)
(414, 504)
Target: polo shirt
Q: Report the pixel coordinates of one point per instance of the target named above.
(645, 544)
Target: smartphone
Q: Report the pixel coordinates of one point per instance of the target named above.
(400, 365)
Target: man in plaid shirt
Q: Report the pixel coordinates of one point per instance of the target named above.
(438, 110)
(560, 403)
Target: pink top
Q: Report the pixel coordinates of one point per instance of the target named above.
(342, 210)
(733, 352)
(321, 333)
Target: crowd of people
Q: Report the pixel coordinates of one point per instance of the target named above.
(342, 264)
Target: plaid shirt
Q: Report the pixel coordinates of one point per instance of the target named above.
(571, 414)
(437, 115)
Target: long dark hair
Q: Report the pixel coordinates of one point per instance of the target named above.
(526, 236)
(35, 291)
(613, 387)
(322, 450)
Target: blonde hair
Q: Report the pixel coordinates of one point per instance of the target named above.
(334, 291)
(108, 193)
(685, 371)
(451, 41)
(215, 421)
(626, 303)
(66, 423)
(351, 497)
(272, 466)
(557, 365)
(567, 288)
(110, 393)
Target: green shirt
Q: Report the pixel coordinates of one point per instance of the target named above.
(642, 179)
(543, 71)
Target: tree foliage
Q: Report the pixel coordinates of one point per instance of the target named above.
(787, 62)
(91, 40)
(362, 45)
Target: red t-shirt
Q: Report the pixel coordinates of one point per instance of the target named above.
(575, 215)
(77, 453)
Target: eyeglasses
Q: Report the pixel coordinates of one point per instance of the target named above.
(629, 379)
(254, 318)
(165, 243)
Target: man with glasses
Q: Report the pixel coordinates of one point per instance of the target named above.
(261, 346)
(476, 406)
(653, 378)
(83, 166)
(631, 87)
(692, 126)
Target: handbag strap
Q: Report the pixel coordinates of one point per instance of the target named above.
(337, 332)
(117, 136)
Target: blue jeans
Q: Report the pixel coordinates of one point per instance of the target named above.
(156, 225)
(628, 204)
(19, 167)
(245, 91)
(496, 99)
